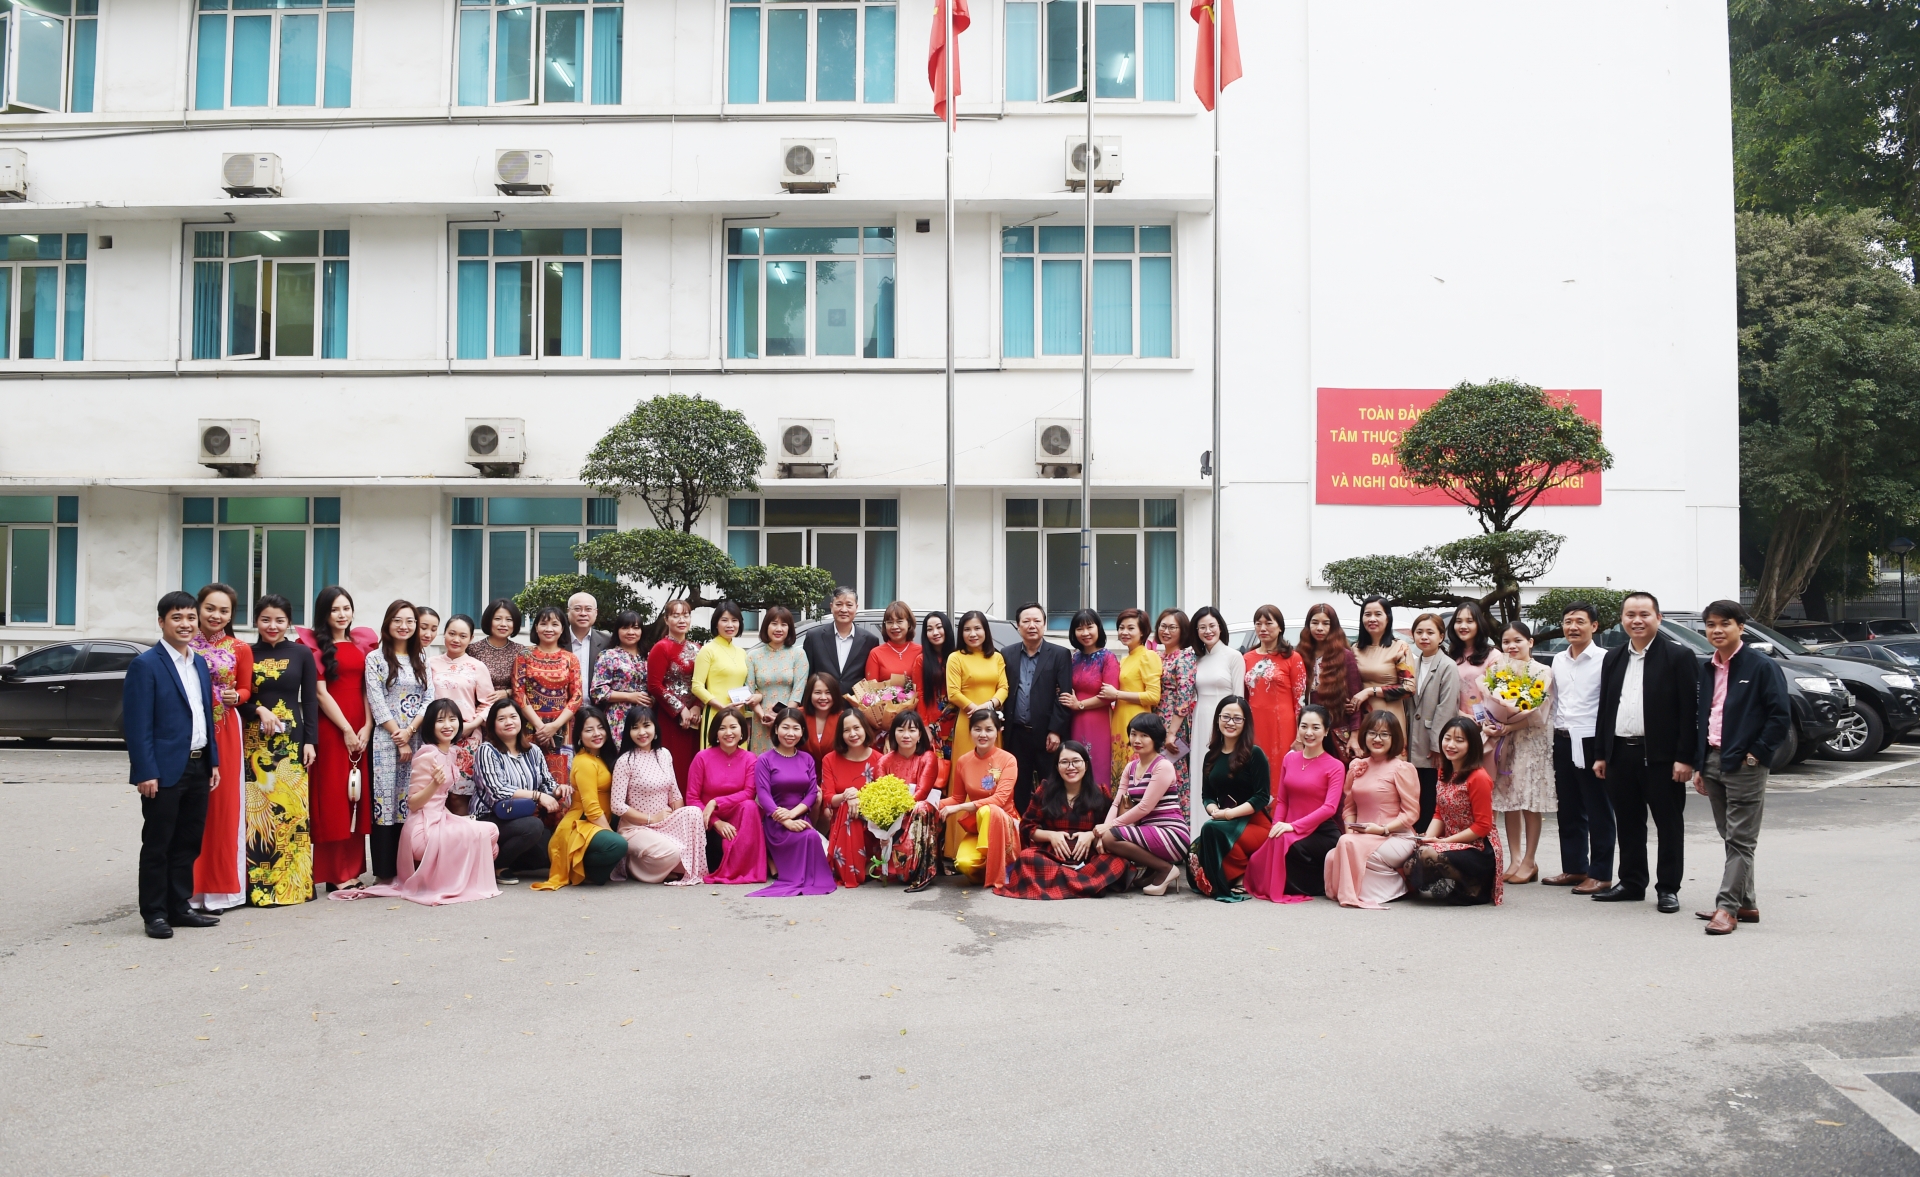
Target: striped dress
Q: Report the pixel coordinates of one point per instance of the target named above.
(1147, 812)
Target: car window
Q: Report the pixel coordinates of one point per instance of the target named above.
(109, 657)
(1781, 642)
(1852, 631)
(1685, 636)
(1893, 625)
(49, 660)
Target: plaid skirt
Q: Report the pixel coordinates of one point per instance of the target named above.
(1038, 875)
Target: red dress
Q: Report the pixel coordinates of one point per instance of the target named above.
(340, 827)
(915, 853)
(219, 871)
(548, 684)
(670, 682)
(1275, 688)
(888, 660)
(851, 846)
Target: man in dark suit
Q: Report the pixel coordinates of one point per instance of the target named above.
(168, 704)
(1643, 745)
(1745, 714)
(586, 642)
(1037, 672)
(840, 649)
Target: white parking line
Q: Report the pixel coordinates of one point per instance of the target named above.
(1851, 1077)
(1864, 773)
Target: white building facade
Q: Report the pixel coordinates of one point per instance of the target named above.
(1413, 196)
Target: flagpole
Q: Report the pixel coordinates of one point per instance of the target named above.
(1086, 361)
(946, 72)
(1217, 237)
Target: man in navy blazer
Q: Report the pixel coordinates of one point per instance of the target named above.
(1745, 713)
(175, 763)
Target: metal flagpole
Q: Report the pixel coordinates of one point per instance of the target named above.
(946, 70)
(1086, 361)
(1217, 237)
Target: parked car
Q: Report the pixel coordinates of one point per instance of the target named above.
(1826, 633)
(1820, 700)
(1885, 696)
(1905, 651)
(70, 690)
(1811, 634)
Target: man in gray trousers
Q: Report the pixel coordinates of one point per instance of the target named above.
(1744, 715)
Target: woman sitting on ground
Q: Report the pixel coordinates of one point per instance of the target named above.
(852, 765)
(584, 847)
(1383, 802)
(720, 784)
(983, 832)
(1146, 825)
(1292, 866)
(1459, 859)
(511, 788)
(1062, 859)
(1236, 792)
(665, 836)
(787, 789)
(914, 857)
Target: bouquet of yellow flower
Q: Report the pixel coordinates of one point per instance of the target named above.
(1513, 689)
(883, 803)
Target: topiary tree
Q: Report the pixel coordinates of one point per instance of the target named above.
(1502, 561)
(1553, 604)
(1410, 582)
(611, 595)
(676, 454)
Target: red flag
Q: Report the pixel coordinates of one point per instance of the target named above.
(1203, 53)
(936, 51)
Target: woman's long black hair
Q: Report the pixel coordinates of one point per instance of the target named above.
(1092, 800)
(323, 627)
(933, 659)
(1242, 751)
(609, 750)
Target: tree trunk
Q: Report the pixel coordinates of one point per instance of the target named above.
(1800, 540)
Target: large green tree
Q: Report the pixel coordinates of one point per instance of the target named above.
(1829, 394)
(1826, 106)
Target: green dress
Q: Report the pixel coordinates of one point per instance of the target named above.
(777, 676)
(1217, 861)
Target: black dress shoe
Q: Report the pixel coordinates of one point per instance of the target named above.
(159, 929)
(1669, 902)
(193, 919)
(1618, 894)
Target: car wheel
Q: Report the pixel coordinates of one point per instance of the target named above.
(1859, 737)
(1803, 750)
(1789, 750)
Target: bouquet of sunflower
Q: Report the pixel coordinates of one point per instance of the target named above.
(1513, 689)
(883, 804)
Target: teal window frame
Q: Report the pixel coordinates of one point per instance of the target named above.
(259, 544)
(498, 545)
(566, 53)
(1041, 291)
(254, 54)
(39, 559)
(1134, 47)
(537, 294)
(1136, 554)
(43, 296)
(788, 52)
(861, 536)
(49, 49)
(241, 281)
(834, 290)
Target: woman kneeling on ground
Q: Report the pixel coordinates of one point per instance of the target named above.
(1062, 859)
(1147, 825)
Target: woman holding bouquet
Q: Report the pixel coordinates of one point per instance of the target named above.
(899, 653)
(1062, 858)
(914, 857)
(852, 765)
(1095, 670)
(983, 832)
(1519, 711)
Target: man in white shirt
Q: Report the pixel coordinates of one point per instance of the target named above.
(1585, 815)
(167, 713)
(840, 649)
(586, 642)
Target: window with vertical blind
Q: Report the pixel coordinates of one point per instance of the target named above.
(43, 296)
(537, 293)
(289, 53)
(1136, 545)
(39, 559)
(500, 544)
(858, 540)
(47, 51)
(268, 294)
(799, 51)
(1041, 289)
(807, 291)
(1134, 49)
(514, 53)
(260, 544)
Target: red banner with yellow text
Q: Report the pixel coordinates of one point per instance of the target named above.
(1358, 429)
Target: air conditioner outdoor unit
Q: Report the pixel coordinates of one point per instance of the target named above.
(523, 171)
(809, 165)
(496, 446)
(1106, 162)
(807, 448)
(250, 173)
(1056, 446)
(231, 447)
(13, 174)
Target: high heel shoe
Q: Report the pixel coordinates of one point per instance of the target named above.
(1532, 876)
(1166, 886)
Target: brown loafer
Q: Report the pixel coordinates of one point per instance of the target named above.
(1592, 885)
(1721, 923)
(1748, 915)
(1565, 880)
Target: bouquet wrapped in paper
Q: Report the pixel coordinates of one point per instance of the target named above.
(883, 804)
(879, 700)
(1512, 690)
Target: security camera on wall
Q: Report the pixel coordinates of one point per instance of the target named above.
(230, 446)
(496, 446)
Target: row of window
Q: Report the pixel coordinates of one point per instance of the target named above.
(793, 291)
(299, 53)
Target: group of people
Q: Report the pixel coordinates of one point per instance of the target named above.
(1360, 771)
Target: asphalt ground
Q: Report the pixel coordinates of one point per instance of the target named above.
(634, 1029)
